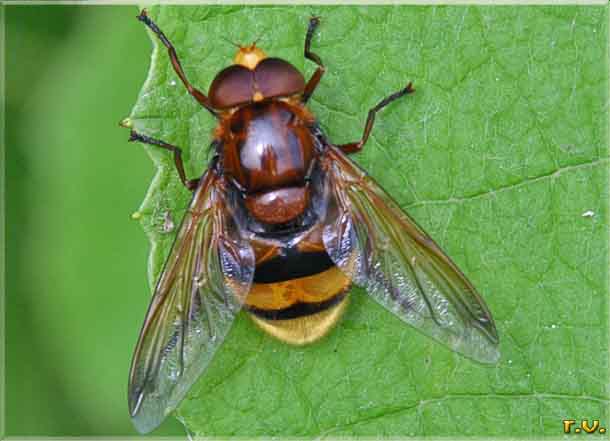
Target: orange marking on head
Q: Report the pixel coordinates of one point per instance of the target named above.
(249, 56)
(257, 97)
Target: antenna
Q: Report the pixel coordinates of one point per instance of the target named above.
(230, 42)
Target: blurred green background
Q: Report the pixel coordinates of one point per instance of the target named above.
(76, 263)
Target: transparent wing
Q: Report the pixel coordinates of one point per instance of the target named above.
(206, 277)
(381, 248)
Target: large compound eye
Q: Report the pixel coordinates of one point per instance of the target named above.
(276, 77)
(231, 87)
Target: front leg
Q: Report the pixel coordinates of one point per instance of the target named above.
(196, 93)
(315, 78)
(354, 147)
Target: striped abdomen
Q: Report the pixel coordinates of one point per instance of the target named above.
(298, 294)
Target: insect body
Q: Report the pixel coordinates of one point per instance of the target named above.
(281, 224)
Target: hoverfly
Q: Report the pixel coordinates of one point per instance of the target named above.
(281, 223)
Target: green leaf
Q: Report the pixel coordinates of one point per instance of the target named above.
(501, 156)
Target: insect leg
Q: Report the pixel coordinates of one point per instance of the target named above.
(315, 78)
(196, 93)
(191, 184)
(354, 147)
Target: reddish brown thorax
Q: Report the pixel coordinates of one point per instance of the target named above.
(267, 145)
